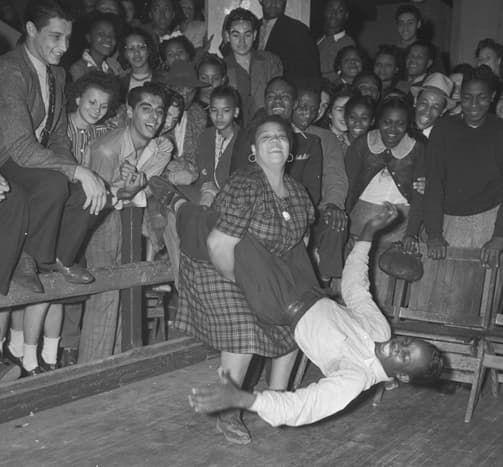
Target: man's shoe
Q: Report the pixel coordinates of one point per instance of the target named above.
(75, 274)
(8, 371)
(69, 357)
(233, 428)
(25, 274)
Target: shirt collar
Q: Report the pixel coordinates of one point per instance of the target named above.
(402, 149)
(297, 130)
(427, 131)
(37, 63)
(338, 36)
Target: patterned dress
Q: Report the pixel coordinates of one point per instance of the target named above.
(212, 308)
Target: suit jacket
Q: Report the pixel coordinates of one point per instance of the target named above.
(22, 111)
(263, 67)
(291, 41)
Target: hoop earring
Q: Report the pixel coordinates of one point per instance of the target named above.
(252, 158)
(290, 158)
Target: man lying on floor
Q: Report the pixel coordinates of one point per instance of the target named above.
(352, 344)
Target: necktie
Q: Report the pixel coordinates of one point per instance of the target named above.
(46, 132)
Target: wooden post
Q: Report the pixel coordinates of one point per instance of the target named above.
(131, 299)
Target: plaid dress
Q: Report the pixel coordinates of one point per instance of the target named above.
(212, 308)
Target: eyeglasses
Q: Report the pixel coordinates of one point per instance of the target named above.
(134, 48)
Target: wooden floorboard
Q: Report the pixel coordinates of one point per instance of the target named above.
(149, 423)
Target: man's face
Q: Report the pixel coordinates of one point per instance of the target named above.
(335, 16)
(273, 8)
(430, 105)
(107, 6)
(403, 355)
(418, 61)
(187, 93)
(305, 110)
(475, 101)
(223, 111)
(162, 14)
(407, 26)
(489, 57)
(147, 116)
(241, 37)
(50, 42)
(279, 100)
(385, 67)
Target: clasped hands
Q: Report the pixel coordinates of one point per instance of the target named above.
(133, 180)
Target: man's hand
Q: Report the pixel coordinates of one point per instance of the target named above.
(437, 248)
(127, 170)
(419, 185)
(133, 185)
(94, 188)
(165, 145)
(220, 396)
(334, 217)
(4, 188)
(491, 252)
(384, 218)
(410, 244)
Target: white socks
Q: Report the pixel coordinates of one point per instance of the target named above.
(50, 350)
(30, 361)
(16, 342)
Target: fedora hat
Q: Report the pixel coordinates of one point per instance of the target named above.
(181, 74)
(439, 82)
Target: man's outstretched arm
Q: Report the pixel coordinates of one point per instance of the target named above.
(355, 280)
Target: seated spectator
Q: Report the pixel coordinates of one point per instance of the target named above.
(387, 66)
(457, 75)
(140, 54)
(178, 48)
(336, 15)
(336, 115)
(194, 26)
(381, 167)
(348, 64)
(182, 78)
(368, 84)
(89, 100)
(130, 16)
(432, 100)
(329, 231)
(213, 71)
(464, 175)
(359, 116)
(248, 70)
(101, 40)
(126, 158)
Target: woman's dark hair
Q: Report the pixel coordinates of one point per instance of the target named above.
(241, 14)
(96, 18)
(181, 40)
(285, 124)
(153, 56)
(410, 9)
(178, 16)
(464, 69)
(488, 43)
(214, 60)
(95, 79)
(135, 95)
(483, 74)
(345, 50)
(40, 12)
(226, 92)
(395, 103)
(357, 100)
(388, 49)
(343, 90)
(367, 74)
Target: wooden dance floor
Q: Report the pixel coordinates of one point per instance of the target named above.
(149, 423)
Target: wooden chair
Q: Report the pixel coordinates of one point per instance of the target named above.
(451, 307)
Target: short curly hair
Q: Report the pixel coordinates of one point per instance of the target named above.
(431, 372)
(95, 79)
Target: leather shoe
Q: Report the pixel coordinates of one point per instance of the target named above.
(75, 274)
(45, 367)
(25, 274)
(36, 371)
